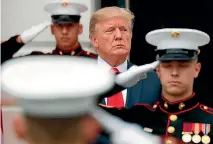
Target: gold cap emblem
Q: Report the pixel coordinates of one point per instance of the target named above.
(64, 3)
(175, 34)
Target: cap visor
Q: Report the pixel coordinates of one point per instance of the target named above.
(176, 57)
(64, 22)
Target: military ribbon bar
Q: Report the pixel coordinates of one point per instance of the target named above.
(187, 127)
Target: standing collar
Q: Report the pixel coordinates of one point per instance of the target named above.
(178, 106)
(122, 67)
(74, 52)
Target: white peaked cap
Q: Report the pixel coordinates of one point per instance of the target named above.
(55, 86)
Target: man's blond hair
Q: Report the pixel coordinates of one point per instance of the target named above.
(109, 12)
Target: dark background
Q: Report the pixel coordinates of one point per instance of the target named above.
(153, 14)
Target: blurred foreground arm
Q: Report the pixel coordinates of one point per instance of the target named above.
(130, 78)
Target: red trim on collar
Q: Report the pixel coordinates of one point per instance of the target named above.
(176, 113)
(70, 50)
(150, 107)
(176, 102)
(80, 53)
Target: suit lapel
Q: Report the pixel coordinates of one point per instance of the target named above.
(133, 93)
(129, 90)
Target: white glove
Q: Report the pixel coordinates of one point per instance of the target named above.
(28, 35)
(134, 74)
(133, 134)
(123, 132)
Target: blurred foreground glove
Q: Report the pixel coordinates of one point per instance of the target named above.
(122, 132)
(135, 74)
(133, 134)
(28, 35)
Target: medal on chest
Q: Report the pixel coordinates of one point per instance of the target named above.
(187, 132)
(206, 130)
(196, 138)
(196, 132)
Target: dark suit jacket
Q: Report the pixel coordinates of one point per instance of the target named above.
(147, 90)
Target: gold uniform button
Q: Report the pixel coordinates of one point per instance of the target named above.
(168, 141)
(173, 117)
(165, 105)
(181, 106)
(155, 106)
(205, 108)
(171, 129)
(73, 53)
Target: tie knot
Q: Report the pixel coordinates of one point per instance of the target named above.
(114, 70)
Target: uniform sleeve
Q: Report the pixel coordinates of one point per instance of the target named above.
(9, 48)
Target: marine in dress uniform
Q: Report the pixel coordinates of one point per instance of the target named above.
(71, 94)
(187, 119)
(61, 12)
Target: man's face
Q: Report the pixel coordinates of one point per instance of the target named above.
(66, 35)
(112, 37)
(177, 77)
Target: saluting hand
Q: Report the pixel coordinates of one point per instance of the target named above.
(28, 35)
(136, 73)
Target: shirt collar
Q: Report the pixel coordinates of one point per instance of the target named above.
(122, 67)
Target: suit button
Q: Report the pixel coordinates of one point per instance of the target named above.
(173, 117)
(171, 129)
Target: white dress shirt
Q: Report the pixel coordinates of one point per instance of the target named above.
(121, 68)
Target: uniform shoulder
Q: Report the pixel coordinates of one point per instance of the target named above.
(206, 109)
(150, 107)
(89, 54)
(39, 53)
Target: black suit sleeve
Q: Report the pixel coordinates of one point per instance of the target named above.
(116, 89)
(139, 114)
(9, 48)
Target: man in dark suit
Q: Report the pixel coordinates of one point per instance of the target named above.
(110, 34)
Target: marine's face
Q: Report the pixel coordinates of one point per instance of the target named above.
(66, 35)
(178, 77)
